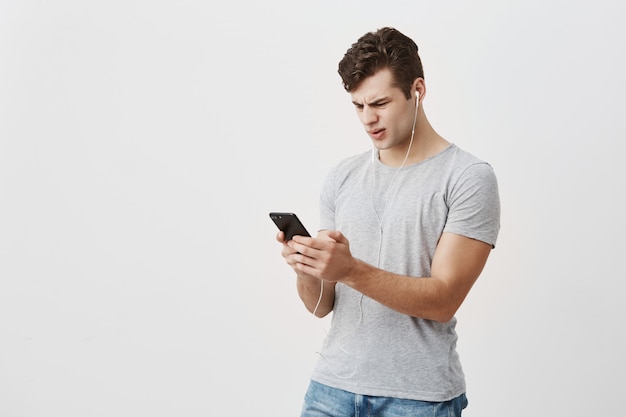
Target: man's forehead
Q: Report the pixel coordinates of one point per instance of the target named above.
(380, 84)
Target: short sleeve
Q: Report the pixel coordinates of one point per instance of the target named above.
(474, 204)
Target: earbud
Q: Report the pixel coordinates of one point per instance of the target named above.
(417, 98)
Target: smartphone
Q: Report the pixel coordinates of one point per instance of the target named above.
(290, 224)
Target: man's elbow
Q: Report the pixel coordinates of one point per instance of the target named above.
(442, 317)
(445, 313)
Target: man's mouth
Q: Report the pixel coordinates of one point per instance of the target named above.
(376, 133)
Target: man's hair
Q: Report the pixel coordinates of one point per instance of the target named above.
(374, 51)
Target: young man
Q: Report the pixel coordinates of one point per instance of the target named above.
(406, 231)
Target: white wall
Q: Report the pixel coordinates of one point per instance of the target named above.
(142, 144)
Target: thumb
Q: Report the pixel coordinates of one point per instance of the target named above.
(337, 236)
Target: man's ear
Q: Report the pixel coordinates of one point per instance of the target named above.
(419, 88)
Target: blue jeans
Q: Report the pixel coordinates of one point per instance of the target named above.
(323, 401)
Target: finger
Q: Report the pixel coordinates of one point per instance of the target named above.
(280, 237)
(299, 260)
(337, 236)
(304, 240)
(287, 251)
(303, 268)
(294, 259)
(324, 234)
(298, 246)
(311, 243)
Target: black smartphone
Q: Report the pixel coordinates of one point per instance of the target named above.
(290, 224)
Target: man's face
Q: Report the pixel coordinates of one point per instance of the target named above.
(384, 111)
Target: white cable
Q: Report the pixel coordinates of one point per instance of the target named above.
(319, 300)
(381, 218)
(344, 350)
(380, 243)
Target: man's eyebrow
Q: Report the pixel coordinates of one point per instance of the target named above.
(373, 102)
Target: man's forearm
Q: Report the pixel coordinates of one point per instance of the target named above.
(310, 289)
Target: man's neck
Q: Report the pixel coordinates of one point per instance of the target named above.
(426, 143)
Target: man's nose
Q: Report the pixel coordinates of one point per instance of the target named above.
(368, 115)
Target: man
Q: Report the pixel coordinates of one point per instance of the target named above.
(405, 232)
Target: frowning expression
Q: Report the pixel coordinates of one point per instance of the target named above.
(386, 114)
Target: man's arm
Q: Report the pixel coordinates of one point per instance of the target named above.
(457, 263)
(309, 291)
(309, 287)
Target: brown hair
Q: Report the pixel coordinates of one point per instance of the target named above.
(374, 51)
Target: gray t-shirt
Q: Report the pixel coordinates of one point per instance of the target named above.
(370, 348)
